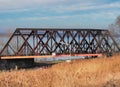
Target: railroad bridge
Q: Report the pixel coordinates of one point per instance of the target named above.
(28, 42)
(43, 42)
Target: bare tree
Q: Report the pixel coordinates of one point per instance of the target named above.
(115, 29)
(118, 21)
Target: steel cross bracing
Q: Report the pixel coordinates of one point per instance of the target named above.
(27, 41)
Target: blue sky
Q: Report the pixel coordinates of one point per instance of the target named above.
(58, 13)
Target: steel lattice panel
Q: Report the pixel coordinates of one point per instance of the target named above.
(61, 41)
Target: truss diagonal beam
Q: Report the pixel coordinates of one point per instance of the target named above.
(46, 41)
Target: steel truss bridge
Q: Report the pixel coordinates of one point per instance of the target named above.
(40, 42)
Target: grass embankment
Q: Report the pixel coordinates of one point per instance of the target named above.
(99, 72)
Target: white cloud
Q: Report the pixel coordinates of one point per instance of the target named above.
(44, 18)
(20, 4)
(87, 6)
(54, 5)
(92, 20)
(15, 10)
(94, 16)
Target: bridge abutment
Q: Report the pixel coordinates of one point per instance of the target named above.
(8, 64)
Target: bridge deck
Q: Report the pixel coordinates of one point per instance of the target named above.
(49, 56)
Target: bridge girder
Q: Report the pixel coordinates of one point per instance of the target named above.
(29, 41)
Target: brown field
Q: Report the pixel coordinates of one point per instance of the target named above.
(99, 72)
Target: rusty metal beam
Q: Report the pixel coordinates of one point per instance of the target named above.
(35, 41)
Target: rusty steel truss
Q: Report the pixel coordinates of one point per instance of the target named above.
(30, 41)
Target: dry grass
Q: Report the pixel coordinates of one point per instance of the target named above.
(100, 72)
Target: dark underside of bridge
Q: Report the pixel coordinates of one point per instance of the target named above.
(39, 42)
